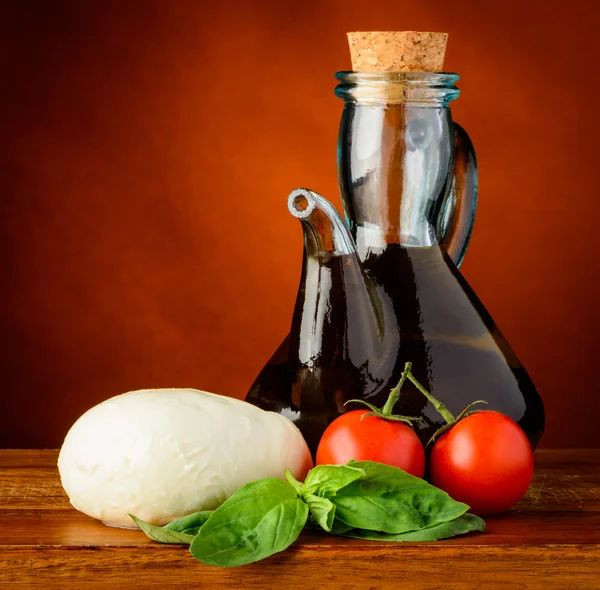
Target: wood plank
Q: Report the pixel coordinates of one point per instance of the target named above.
(558, 492)
(28, 458)
(30, 488)
(312, 567)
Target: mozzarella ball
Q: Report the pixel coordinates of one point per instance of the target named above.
(164, 453)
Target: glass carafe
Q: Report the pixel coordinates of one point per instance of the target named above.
(383, 287)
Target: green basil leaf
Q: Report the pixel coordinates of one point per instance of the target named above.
(191, 523)
(459, 526)
(161, 534)
(261, 518)
(390, 500)
(324, 480)
(340, 528)
(321, 509)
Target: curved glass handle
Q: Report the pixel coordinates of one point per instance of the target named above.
(456, 223)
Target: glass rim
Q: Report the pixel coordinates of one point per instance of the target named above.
(425, 78)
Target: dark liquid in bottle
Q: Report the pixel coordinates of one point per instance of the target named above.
(427, 314)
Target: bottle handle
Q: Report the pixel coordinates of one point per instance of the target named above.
(458, 214)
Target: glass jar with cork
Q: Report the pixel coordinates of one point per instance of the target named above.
(381, 286)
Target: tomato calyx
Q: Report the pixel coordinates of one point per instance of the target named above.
(386, 412)
(444, 412)
(466, 412)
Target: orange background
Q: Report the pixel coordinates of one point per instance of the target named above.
(148, 148)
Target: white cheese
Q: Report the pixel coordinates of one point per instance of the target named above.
(163, 453)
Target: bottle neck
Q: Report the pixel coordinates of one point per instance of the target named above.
(395, 156)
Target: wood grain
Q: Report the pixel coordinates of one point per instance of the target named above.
(314, 567)
(551, 539)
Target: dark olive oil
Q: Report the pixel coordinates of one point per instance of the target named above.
(425, 312)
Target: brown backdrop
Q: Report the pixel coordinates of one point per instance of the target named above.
(147, 151)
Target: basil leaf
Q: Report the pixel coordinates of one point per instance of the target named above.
(340, 528)
(321, 509)
(189, 524)
(261, 518)
(325, 480)
(459, 526)
(161, 534)
(390, 500)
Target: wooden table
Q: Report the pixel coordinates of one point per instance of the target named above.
(551, 539)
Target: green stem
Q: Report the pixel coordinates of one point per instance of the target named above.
(293, 482)
(394, 396)
(386, 412)
(439, 406)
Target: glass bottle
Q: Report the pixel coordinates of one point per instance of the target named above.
(383, 287)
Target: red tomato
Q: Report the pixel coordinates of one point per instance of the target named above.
(485, 461)
(373, 439)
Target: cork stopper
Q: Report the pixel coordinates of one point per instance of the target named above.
(395, 51)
